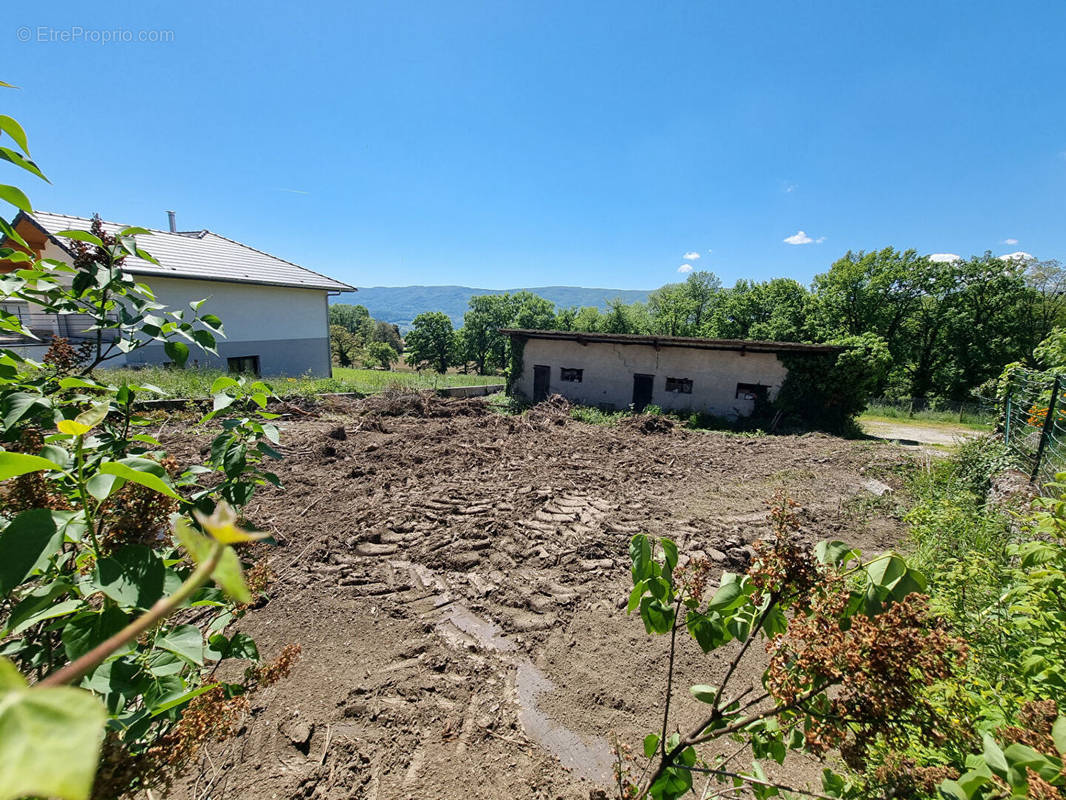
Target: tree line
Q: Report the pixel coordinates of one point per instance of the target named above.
(949, 326)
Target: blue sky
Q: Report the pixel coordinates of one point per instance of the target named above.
(500, 144)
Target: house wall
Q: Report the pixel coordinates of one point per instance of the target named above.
(608, 370)
(287, 328)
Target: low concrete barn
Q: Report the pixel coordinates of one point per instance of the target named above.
(275, 313)
(724, 377)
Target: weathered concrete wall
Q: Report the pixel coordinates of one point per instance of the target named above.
(608, 371)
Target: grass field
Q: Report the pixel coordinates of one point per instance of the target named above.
(193, 383)
(978, 420)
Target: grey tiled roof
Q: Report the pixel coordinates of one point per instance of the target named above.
(201, 255)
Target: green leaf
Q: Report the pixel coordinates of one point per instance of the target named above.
(205, 339)
(726, 596)
(640, 555)
(89, 629)
(181, 699)
(132, 576)
(833, 552)
(101, 485)
(15, 196)
(886, 570)
(221, 402)
(14, 464)
(704, 693)
(228, 574)
(26, 544)
(178, 352)
(994, 757)
(651, 744)
(63, 609)
(669, 553)
(94, 415)
(186, 641)
(81, 236)
(1058, 733)
(146, 479)
(19, 160)
(12, 128)
(658, 617)
(49, 742)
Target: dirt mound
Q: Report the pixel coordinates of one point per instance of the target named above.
(399, 403)
(648, 423)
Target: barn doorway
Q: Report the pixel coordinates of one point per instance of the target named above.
(642, 390)
(541, 382)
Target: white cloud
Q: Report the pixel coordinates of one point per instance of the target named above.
(1009, 241)
(1020, 255)
(943, 258)
(791, 187)
(691, 255)
(819, 240)
(685, 268)
(799, 237)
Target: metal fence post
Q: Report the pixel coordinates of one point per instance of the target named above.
(1049, 421)
(1006, 411)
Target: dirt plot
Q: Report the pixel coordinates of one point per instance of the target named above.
(457, 580)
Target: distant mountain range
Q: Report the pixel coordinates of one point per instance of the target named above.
(401, 304)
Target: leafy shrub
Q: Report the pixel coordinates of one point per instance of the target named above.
(103, 537)
(826, 391)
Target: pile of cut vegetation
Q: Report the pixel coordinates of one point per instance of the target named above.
(648, 423)
(406, 403)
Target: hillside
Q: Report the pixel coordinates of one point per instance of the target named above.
(401, 304)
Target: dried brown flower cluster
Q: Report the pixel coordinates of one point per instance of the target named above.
(64, 358)
(877, 668)
(138, 515)
(210, 717)
(32, 490)
(785, 568)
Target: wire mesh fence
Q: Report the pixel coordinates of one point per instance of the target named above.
(970, 412)
(1034, 422)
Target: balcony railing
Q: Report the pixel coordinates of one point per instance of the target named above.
(45, 326)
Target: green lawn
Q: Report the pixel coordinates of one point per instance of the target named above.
(193, 383)
(973, 417)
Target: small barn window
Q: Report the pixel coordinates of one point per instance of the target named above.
(680, 385)
(244, 364)
(751, 391)
(571, 375)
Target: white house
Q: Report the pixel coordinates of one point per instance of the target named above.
(724, 377)
(275, 313)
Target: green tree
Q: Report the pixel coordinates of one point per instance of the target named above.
(432, 342)
(389, 334)
(531, 312)
(482, 342)
(354, 318)
(343, 346)
(380, 354)
(588, 319)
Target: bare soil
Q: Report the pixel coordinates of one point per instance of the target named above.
(457, 580)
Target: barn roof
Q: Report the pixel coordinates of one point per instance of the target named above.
(743, 345)
(199, 255)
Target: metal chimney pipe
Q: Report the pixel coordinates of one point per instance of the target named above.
(173, 222)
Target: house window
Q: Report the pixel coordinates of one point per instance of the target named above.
(244, 364)
(679, 385)
(751, 391)
(571, 375)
